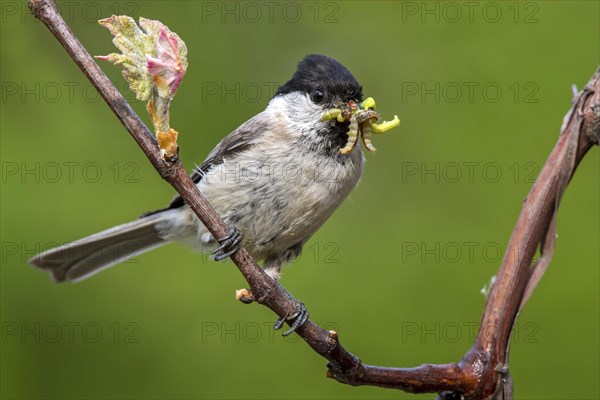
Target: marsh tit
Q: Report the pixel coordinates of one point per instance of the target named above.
(275, 180)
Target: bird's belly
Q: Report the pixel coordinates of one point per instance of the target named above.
(279, 206)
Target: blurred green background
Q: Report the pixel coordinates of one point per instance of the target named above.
(481, 89)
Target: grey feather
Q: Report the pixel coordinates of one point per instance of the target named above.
(238, 141)
(85, 257)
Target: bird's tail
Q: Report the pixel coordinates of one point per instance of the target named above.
(80, 259)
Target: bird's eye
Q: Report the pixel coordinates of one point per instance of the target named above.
(317, 96)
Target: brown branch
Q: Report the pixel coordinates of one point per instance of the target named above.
(535, 228)
(483, 371)
(266, 291)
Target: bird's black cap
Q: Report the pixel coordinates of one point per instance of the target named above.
(316, 71)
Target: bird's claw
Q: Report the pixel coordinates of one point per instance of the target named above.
(229, 244)
(298, 318)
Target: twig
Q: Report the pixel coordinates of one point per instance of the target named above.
(535, 228)
(483, 371)
(265, 290)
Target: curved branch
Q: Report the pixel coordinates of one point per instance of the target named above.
(265, 290)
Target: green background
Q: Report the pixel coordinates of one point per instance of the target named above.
(391, 270)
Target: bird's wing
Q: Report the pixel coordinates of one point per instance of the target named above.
(238, 141)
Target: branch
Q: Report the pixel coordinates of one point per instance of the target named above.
(265, 290)
(483, 371)
(536, 227)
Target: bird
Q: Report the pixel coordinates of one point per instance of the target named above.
(274, 180)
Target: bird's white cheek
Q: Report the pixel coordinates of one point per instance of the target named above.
(300, 113)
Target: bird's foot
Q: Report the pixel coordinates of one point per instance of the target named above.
(228, 245)
(297, 318)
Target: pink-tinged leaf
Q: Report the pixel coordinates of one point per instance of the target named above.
(147, 55)
(154, 61)
(167, 65)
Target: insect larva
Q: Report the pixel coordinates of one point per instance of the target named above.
(363, 121)
(365, 118)
(352, 135)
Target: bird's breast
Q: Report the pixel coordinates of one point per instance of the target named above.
(278, 196)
